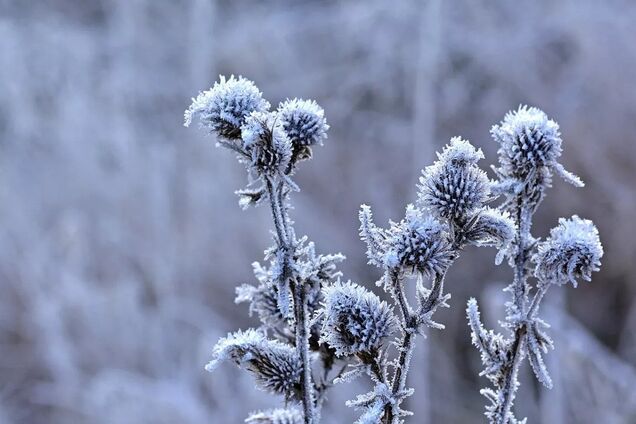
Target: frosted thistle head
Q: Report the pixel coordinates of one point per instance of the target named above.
(224, 107)
(277, 416)
(418, 244)
(454, 187)
(529, 146)
(572, 251)
(304, 122)
(493, 227)
(274, 364)
(266, 142)
(355, 321)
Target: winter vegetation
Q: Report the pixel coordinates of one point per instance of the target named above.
(306, 312)
(122, 244)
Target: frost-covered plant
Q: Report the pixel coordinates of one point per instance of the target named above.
(529, 147)
(283, 351)
(450, 214)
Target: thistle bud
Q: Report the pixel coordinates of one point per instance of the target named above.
(265, 140)
(274, 364)
(354, 319)
(224, 107)
(572, 251)
(492, 227)
(454, 187)
(304, 122)
(529, 146)
(418, 244)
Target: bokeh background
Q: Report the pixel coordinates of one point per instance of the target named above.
(121, 240)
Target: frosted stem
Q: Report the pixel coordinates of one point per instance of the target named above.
(520, 300)
(279, 214)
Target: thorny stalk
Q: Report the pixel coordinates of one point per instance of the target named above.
(284, 231)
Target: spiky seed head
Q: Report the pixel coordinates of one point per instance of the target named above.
(529, 146)
(274, 364)
(454, 187)
(573, 251)
(304, 121)
(224, 107)
(354, 319)
(265, 140)
(418, 244)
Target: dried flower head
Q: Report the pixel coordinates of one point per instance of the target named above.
(354, 319)
(277, 416)
(274, 364)
(572, 251)
(266, 142)
(225, 106)
(454, 187)
(529, 146)
(418, 244)
(492, 227)
(304, 121)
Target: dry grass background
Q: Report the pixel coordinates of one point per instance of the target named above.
(121, 241)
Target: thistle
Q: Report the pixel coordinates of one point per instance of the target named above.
(450, 215)
(288, 291)
(529, 147)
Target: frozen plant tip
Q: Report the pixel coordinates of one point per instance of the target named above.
(454, 187)
(304, 121)
(572, 251)
(274, 364)
(224, 107)
(288, 292)
(355, 320)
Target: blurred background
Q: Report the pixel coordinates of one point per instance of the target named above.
(121, 240)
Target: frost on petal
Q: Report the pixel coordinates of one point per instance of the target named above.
(454, 187)
(224, 107)
(274, 364)
(277, 416)
(355, 320)
(573, 251)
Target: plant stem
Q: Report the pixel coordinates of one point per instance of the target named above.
(520, 305)
(283, 232)
(509, 388)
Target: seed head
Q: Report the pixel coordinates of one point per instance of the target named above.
(572, 251)
(224, 107)
(354, 319)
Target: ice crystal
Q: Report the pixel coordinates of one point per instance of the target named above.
(277, 416)
(454, 187)
(572, 251)
(304, 121)
(354, 319)
(224, 107)
(274, 364)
